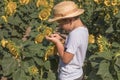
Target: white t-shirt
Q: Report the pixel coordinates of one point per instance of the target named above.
(76, 43)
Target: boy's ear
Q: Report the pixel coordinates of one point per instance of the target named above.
(71, 20)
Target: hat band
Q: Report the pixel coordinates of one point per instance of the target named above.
(62, 15)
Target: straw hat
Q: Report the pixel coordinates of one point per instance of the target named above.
(65, 9)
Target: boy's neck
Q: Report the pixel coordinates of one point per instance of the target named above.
(77, 23)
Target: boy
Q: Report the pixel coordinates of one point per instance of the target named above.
(73, 53)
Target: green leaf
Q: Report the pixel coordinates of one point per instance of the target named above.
(94, 64)
(17, 20)
(32, 49)
(103, 70)
(118, 22)
(47, 65)
(117, 62)
(23, 9)
(116, 45)
(105, 55)
(2, 21)
(9, 65)
(51, 76)
(19, 74)
(24, 65)
(27, 54)
(99, 8)
(118, 15)
(33, 23)
(34, 15)
(1, 35)
(117, 69)
(41, 53)
(93, 76)
(36, 77)
(4, 34)
(110, 29)
(14, 20)
(101, 56)
(15, 33)
(91, 47)
(38, 61)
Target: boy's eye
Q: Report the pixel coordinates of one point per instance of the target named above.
(63, 21)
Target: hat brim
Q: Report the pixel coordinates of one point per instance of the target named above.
(77, 13)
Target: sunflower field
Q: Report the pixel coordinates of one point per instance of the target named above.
(25, 54)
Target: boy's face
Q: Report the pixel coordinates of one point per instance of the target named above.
(64, 24)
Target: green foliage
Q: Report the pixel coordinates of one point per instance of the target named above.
(25, 24)
(102, 20)
(31, 54)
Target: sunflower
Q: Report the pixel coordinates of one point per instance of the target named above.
(97, 1)
(24, 1)
(101, 49)
(107, 2)
(103, 43)
(33, 70)
(47, 31)
(4, 42)
(114, 2)
(4, 18)
(44, 14)
(91, 38)
(115, 10)
(11, 8)
(107, 17)
(51, 3)
(39, 38)
(52, 50)
(13, 49)
(41, 3)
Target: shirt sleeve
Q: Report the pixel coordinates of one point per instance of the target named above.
(73, 42)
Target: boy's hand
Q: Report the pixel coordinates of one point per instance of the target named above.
(54, 38)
